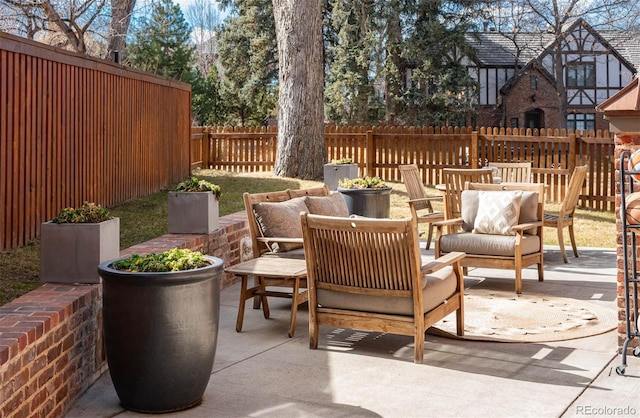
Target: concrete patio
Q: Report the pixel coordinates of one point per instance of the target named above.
(260, 372)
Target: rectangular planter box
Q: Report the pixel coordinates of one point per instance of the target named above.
(193, 213)
(70, 253)
(335, 172)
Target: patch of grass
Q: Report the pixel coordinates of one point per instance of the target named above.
(146, 218)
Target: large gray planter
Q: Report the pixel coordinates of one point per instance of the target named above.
(161, 333)
(333, 173)
(70, 253)
(372, 203)
(193, 213)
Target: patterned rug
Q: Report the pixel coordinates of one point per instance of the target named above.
(497, 315)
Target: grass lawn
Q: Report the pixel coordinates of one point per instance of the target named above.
(146, 218)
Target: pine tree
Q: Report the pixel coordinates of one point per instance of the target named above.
(161, 43)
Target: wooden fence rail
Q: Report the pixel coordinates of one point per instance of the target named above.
(379, 150)
(76, 129)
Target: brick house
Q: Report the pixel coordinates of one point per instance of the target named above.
(516, 77)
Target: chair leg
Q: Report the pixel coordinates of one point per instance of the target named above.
(573, 240)
(418, 343)
(518, 281)
(561, 244)
(429, 237)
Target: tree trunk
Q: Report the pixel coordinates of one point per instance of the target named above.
(119, 26)
(301, 150)
(561, 89)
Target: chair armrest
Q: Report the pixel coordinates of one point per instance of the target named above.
(448, 222)
(426, 199)
(279, 239)
(526, 226)
(444, 261)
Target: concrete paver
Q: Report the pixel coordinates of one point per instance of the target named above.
(260, 372)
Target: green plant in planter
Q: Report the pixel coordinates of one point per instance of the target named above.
(88, 213)
(345, 160)
(363, 183)
(175, 259)
(195, 185)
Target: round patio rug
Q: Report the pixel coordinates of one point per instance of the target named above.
(495, 315)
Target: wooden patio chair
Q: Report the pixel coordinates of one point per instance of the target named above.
(288, 247)
(367, 274)
(513, 172)
(455, 180)
(565, 217)
(419, 201)
(500, 227)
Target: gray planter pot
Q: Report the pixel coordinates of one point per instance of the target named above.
(193, 213)
(372, 203)
(161, 333)
(70, 253)
(336, 172)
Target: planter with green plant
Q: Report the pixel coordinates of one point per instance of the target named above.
(366, 196)
(75, 242)
(160, 318)
(339, 169)
(193, 207)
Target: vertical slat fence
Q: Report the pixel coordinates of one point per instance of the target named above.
(378, 150)
(76, 129)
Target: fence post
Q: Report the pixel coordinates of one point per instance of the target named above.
(371, 155)
(206, 147)
(573, 153)
(473, 152)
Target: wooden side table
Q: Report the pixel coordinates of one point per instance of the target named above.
(277, 271)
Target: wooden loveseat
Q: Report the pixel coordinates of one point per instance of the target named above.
(275, 231)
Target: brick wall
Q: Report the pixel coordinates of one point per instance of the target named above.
(51, 347)
(623, 142)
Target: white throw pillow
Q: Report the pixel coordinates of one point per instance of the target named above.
(498, 212)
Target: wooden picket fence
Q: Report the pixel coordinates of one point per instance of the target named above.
(378, 150)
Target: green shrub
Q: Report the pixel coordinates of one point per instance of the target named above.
(171, 260)
(195, 185)
(362, 183)
(88, 213)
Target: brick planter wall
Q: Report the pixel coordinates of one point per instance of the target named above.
(623, 142)
(51, 347)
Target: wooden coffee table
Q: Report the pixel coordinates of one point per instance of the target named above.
(277, 271)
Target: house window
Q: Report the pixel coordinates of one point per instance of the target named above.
(581, 74)
(581, 121)
(514, 122)
(533, 82)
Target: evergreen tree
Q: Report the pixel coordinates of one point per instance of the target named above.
(248, 53)
(161, 44)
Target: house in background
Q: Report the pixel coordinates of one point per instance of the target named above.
(516, 76)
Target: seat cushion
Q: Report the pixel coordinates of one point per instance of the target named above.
(483, 244)
(281, 219)
(498, 212)
(332, 205)
(436, 288)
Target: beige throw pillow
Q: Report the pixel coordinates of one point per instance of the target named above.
(498, 212)
(281, 219)
(332, 205)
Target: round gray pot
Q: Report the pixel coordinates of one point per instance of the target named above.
(161, 331)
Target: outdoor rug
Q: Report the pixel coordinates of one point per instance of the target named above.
(501, 315)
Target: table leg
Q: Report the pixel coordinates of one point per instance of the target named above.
(243, 298)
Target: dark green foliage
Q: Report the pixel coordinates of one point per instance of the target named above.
(193, 184)
(161, 44)
(248, 52)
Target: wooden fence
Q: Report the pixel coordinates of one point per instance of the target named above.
(76, 129)
(379, 150)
